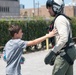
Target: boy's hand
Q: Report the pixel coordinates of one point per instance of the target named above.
(52, 33)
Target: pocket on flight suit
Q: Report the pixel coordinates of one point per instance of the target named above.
(72, 53)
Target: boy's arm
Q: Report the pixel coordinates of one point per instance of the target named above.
(38, 40)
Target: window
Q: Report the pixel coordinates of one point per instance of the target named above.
(4, 9)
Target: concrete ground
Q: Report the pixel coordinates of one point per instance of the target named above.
(34, 64)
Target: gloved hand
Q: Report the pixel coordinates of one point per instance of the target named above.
(50, 58)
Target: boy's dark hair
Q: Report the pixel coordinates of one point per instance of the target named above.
(14, 29)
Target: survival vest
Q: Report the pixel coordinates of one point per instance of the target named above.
(50, 28)
(68, 45)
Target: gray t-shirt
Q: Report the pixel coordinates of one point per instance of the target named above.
(13, 50)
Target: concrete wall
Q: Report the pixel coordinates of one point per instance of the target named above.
(13, 8)
(8, 0)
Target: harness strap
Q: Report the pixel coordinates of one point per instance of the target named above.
(65, 55)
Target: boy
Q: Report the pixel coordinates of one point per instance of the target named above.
(14, 48)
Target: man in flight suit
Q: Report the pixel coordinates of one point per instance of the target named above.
(63, 64)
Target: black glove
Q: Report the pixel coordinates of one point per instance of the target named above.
(50, 58)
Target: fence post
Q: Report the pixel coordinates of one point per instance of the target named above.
(47, 44)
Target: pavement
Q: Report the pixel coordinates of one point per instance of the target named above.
(34, 64)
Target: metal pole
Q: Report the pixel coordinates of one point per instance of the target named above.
(38, 8)
(47, 44)
(34, 6)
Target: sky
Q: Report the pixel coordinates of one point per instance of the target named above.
(29, 3)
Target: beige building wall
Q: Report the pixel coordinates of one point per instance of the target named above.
(43, 12)
(26, 12)
(69, 11)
